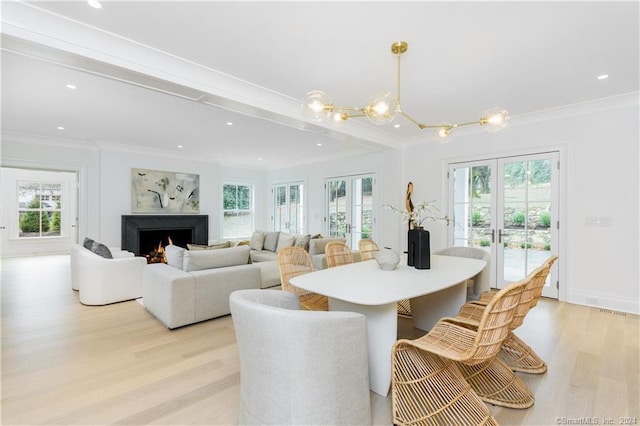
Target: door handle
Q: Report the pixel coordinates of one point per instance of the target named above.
(500, 235)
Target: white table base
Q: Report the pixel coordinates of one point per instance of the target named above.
(428, 309)
(382, 329)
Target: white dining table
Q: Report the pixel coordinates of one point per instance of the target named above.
(365, 288)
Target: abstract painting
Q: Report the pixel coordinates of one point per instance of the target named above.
(154, 191)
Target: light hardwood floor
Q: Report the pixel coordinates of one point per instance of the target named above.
(65, 363)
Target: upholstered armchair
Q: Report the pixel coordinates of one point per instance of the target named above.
(101, 281)
(297, 366)
(481, 282)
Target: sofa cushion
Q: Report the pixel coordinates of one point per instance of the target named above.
(263, 256)
(210, 259)
(270, 241)
(317, 245)
(225, 244)
(285, 240)
(257, 240)
(175, 256)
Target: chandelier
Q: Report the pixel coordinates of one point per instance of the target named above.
(383, 107)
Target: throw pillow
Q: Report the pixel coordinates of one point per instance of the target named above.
(302, 241)
(285, 240)
(175, 256)
(209, 259)
(257, 240)
(270, 241)
(87, 243)
(101, 250)
(226, 244)
(243, 243)
(317, 245)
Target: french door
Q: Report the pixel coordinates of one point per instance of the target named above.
(509, 207)
(288, 207)
(350, 201)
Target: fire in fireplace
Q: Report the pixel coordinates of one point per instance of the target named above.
(142, 234)
(158, 255)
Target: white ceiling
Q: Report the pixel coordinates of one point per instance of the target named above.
(463, 58)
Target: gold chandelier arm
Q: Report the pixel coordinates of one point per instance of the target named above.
(422, 125)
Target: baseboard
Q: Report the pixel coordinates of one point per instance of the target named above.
(598, 300)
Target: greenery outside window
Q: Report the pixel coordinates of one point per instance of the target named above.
(238, 210)
(39, 209)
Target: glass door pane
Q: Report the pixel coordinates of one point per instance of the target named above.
(362, 211)
(337, 208)
(280, 211)
(472, 206)
(296, 207)
(528, 206)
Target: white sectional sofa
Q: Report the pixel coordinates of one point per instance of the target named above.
(195, 285)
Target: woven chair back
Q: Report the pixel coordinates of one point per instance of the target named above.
(293, 261)
(368, 249)
(543, 278)
(496, 320)
(337, 254)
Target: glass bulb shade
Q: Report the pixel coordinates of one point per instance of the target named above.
(495, 119)
(339, 117)
(317, 105)
(381, 108)
(443, 135)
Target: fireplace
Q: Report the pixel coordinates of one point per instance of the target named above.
(142, 234)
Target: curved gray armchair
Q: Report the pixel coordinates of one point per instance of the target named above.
(479, 283)
(299, 367)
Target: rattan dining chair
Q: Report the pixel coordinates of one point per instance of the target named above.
(368, 249)
(430, 375)
(515, 352)
(294, 261)
(338, 254)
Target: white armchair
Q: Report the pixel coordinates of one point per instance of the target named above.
(101, 281)
(482, 281)
(299, 367)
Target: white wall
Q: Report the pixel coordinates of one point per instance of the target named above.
(599, 178)
(105, 181)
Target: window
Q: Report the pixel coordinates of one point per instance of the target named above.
(39, 209)
(238, 213)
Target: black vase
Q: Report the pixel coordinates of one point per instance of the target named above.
(419, 253)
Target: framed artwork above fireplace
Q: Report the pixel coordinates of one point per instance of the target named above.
(154, 191)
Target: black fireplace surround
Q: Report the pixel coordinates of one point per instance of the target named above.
(141, 234)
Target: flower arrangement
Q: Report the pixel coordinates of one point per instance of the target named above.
(422, 211)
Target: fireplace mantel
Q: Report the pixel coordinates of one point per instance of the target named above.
(133, 224)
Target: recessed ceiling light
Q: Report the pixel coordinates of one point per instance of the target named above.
(95, 4)
(60, 128)
(72, 86)
(319, 144)
(396, 125)
(229, 123)
(603, 76)
(180, 146)
(259, 158)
